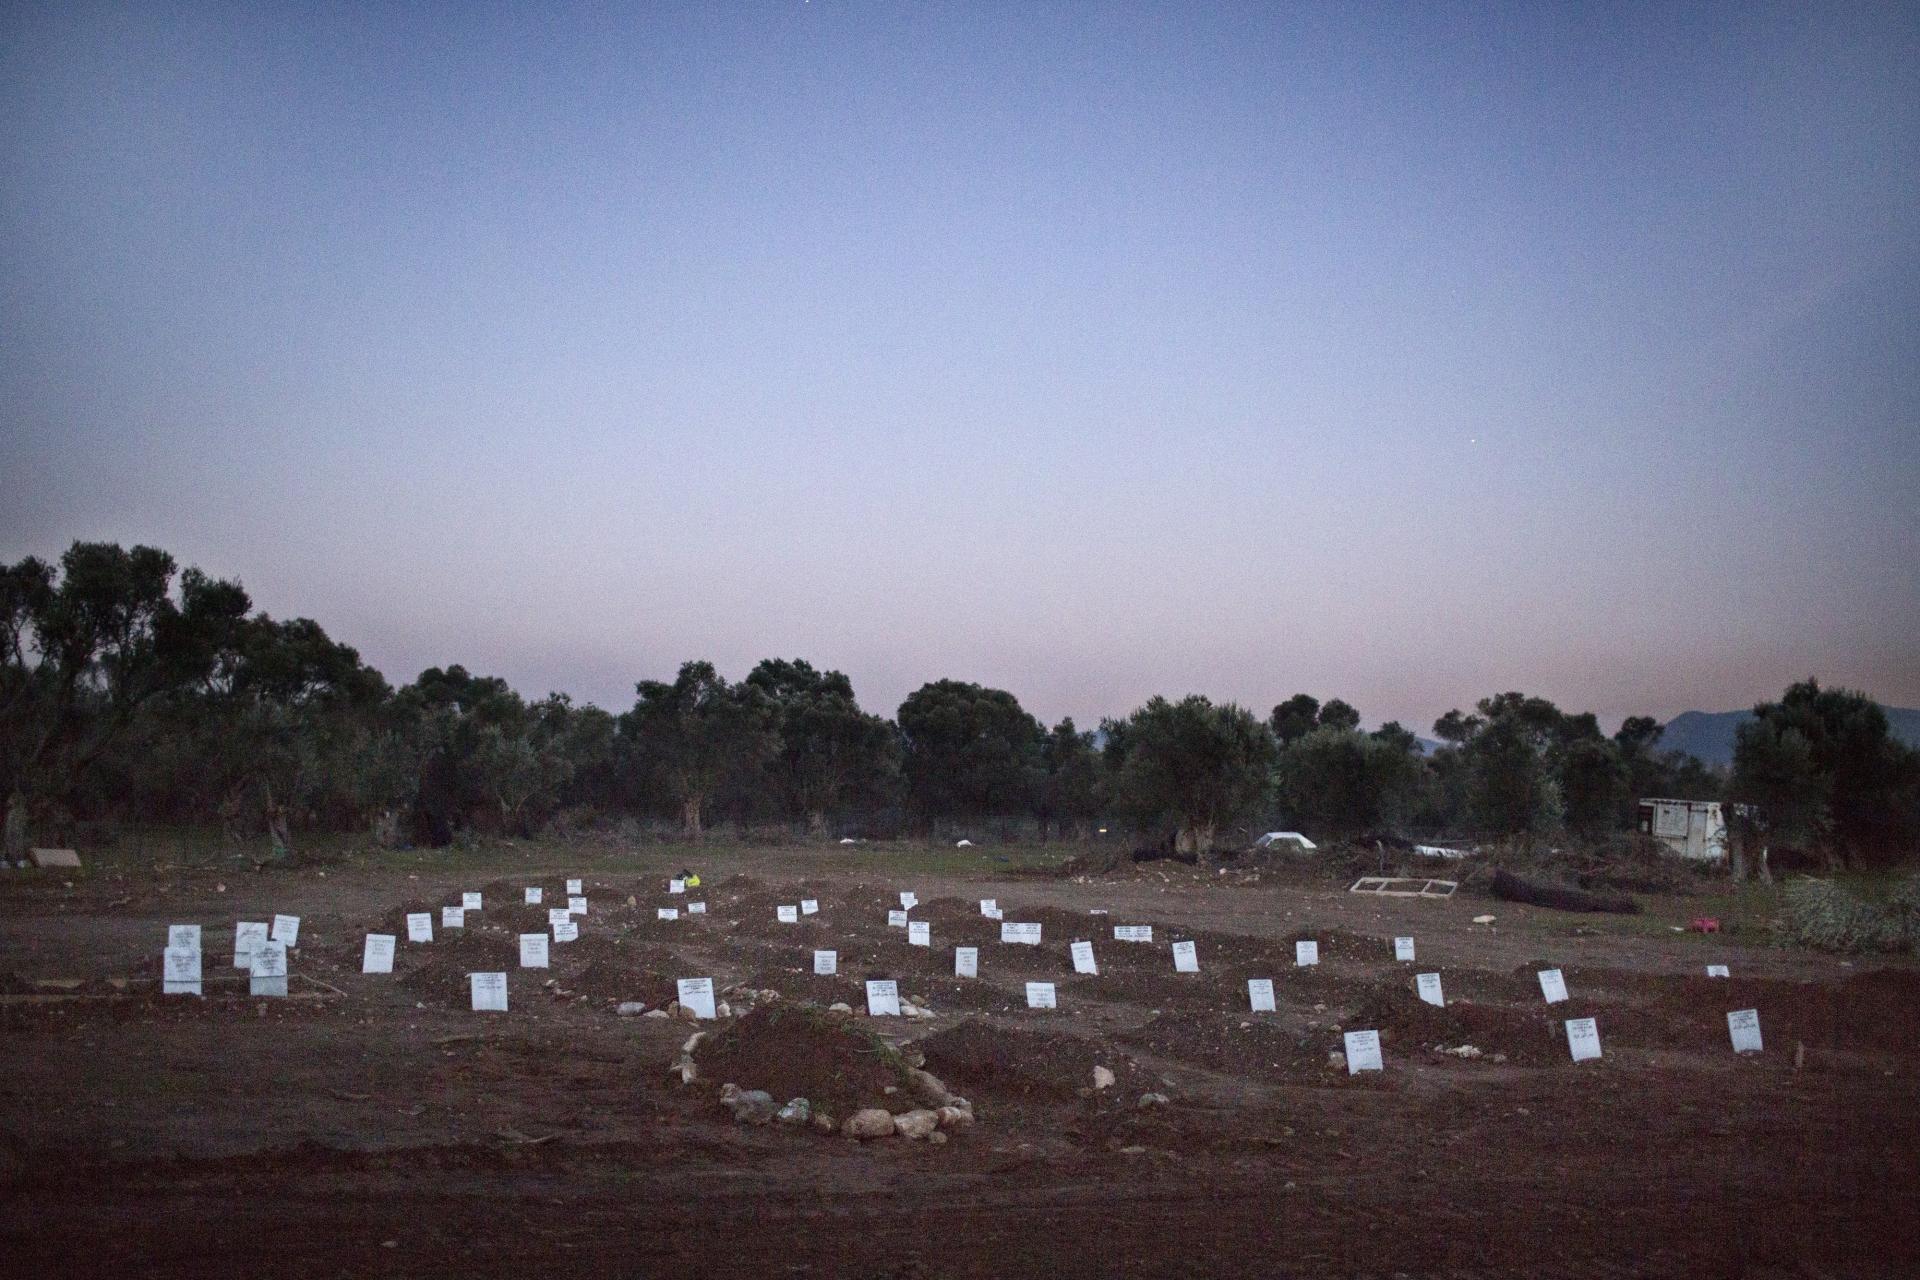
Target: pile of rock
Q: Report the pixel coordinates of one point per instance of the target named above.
(939, 1112)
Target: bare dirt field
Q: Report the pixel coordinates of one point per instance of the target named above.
(374, 1124)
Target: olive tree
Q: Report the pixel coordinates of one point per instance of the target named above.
(1192, 762)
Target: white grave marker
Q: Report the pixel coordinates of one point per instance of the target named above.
(909, 899)
(1429, 987)
(668, 913)
(1583, 1038)
(676, 886)
(183, 937)
(1718, 971)
(453, 917)
(966, 962)
(180, 971)
(489, 992)
(470, 902)
(826, 963)
(919, 934)
(896, 919)
(1083, 958)
(557, 916)
(567, 930)
(696, 908)
(268, 975)
(247, 935)
(573, 887)
(1403, 948)
(1133, 933)
(809, 906)
(883, 998)
(286, 929)
(1305, 954)
(1260, 994)
(988, 906)
(1744, 1026)
(1040, 995)
(1553, 985)
(697, 995)
(377, 957)
(534, 896)
(996, 914)
(1363, 1052)
(1186, 958)
(576, 905)
(1025, 934)
(533, 951)
(787, 915)
(420, 927)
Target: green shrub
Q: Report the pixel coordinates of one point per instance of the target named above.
(1829, 917)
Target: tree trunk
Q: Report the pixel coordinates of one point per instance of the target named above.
(386, 829)
(277, 832)
(16, 838)
(817, 822)
(1195, 838)
(690, 816)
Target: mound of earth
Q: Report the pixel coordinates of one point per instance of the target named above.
(1408, 1024)
(438, 970)
(795, 1051)
(601, 967)
(1255, 1047)
(980, 1060)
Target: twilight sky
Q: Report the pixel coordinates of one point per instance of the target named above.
(1403, 353)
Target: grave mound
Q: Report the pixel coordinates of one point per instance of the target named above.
(797, 1051)
(983, 1061)
(1407, 1024)
(438, 970)
(1263, 1049)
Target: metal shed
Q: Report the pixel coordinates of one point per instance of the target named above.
(1691, 828)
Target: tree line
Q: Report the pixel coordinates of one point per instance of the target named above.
(133, 690)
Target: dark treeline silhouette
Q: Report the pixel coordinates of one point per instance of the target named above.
(132, 691)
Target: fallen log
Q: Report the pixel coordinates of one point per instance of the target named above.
(1561, 897)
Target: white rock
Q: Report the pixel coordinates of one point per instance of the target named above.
(1337, 1060)
(917, 1123)
(952, 1117)
(749, 1106)
(629, 1008)
(1154, 1099)
(1102, 1078)
(655, 1013)
(797, 1111)
(937, 1138)
(872, 1122)
(693, 1042)
(928, 1088)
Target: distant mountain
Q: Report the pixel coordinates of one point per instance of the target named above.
(1708, 735)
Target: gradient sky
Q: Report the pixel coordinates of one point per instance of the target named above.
(1403, 353)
